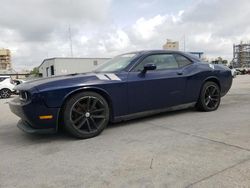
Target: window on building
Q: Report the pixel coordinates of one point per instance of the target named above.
(95, 62)
(52, 71)
(47, 71)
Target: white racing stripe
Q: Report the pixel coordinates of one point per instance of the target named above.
(211, 66)
(113, 77)
(102, 77)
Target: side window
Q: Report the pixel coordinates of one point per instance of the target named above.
(182, 61)
(2, 79)
(162, 61)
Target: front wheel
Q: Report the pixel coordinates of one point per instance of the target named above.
(86, 114)
(209, 99)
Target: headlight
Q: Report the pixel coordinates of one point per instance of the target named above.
(23, 95)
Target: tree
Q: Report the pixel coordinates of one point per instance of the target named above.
(35, 72)
(225, 62)
(219, 60)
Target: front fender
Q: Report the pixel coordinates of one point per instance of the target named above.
(98, 90)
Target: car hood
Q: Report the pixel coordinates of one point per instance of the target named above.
(71, 80)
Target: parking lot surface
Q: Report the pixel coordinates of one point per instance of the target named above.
(176, 149)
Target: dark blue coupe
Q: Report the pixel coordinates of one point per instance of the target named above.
(128, 86)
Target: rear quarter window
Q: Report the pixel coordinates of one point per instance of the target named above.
(182, 61)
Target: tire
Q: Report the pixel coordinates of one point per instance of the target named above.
(5, 93)
(209, 99)
(86, 115)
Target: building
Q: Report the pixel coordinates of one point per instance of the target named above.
(171, 45)
(5, 59)
(241, 55)
(60, 66)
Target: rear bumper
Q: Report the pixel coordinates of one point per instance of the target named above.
(24, 126)
(226, 85)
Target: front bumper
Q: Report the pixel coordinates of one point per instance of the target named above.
(30, 113)
(24, 126)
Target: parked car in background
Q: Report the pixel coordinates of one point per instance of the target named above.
(243, 71)
(18, 81)
(128, 86)
(233, 71)
(6, 86)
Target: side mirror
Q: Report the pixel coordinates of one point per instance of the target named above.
(149, 66)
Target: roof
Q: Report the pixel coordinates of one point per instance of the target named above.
(158, 51)
(196, 52)
(187, 54)
(155, 51)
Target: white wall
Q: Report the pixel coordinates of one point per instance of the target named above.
(71, 65)
(46, 64)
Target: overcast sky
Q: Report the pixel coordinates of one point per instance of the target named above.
(37, 29)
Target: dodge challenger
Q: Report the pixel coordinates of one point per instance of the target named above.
(128, 86)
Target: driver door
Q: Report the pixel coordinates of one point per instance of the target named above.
(155, 89)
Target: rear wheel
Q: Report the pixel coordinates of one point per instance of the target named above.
(86, 114)
(209, 99)
(5, 93)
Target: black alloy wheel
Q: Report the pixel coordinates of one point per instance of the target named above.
(209, 99)
(86, 114)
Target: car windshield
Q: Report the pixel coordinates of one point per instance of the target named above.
(118, 63)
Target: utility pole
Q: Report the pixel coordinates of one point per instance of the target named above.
(184, 43)
(70, 42)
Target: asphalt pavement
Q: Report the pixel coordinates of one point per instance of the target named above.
(176, 149)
